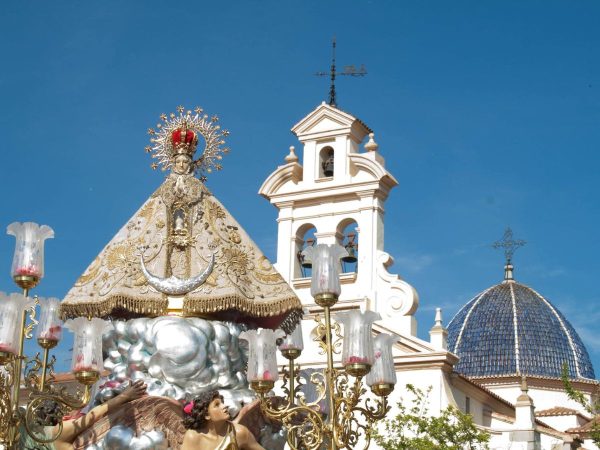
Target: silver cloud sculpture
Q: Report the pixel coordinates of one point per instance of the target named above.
(176, 357)
(174, 285)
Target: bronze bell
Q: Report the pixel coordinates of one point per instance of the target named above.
(351, 249)
(328, 166)
(303, 261)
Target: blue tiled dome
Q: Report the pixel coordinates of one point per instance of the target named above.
(511, 329)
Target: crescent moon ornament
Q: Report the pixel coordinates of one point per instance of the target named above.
(174, 285)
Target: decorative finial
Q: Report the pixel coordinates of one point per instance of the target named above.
(348, 70)
(371, 146)
(509, 245)
(292, 157)
(438, 317)
(524, 387)
(177, 137)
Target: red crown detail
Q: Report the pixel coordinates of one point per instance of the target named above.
(184, 141)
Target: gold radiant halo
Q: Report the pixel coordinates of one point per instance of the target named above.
(197, 121)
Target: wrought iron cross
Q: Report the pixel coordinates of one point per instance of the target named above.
(348, 70)
(509, 244)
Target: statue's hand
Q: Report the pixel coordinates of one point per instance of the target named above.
(134, 391)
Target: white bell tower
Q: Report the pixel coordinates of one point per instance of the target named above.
(339, 195)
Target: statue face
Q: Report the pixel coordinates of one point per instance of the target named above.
(217, 411)
(182, 164)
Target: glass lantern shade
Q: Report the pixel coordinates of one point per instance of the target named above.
(325, 261)
(50, 325)
(28, 260)
(294, 340)
(87, 346)
(11, 318)
(262, 358)
(383, 371)
(358, 339)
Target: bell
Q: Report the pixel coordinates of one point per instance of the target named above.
(328, 166)
(303, 261)
(351, 258)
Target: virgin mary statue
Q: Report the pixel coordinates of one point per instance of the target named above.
(179, 282)
(182, 252)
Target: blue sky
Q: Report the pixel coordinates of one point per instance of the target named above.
(487, 114)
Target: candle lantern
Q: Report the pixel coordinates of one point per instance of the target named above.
(293, 344)
(28, 261)
(86, 364)
(325, 280)
(49, 329)
(357, 350)
(12, 308)
(262, 359)
(382, 376)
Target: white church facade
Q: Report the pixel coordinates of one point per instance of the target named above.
(337, 195)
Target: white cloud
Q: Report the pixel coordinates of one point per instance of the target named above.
(414, 263)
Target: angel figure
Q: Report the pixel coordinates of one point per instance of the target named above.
(209, 428)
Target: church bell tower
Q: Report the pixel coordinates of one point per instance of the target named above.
(337, 195)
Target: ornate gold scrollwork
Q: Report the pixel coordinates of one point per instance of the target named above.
(350, 419)
(14, 421)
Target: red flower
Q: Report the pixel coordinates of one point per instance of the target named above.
(356, 360)
(267, 376)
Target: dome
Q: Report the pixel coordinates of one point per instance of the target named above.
(511, 329)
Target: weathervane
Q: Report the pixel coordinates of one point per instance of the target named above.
(509, 245)
(348, 70)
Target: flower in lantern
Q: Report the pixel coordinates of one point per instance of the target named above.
(383, 371)
(87, 346)
(325, 261)
(50, 325)
(28, 260)
(358, 342)
(11, 311)
(262, 360)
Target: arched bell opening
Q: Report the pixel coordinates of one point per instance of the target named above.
(326, 162)
(305, 237)
(347, 233)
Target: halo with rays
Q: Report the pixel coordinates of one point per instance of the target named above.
(161, 146)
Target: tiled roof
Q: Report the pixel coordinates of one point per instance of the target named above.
(558, 411)
(584, 429)
(511, 329)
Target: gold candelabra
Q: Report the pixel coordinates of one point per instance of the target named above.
(351, 414)
(36, 373)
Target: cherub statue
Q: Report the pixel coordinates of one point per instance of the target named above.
(209, 427)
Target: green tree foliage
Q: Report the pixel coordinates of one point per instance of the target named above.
(592, 407)
(414, 429)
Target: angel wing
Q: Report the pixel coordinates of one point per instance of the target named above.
(144, 414)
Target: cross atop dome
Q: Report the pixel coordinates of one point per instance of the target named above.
(509, 245)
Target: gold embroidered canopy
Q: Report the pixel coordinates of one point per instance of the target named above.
(182, 247)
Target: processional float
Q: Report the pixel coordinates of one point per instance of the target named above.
(167, 301)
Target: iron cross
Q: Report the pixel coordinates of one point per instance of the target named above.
(509, 244)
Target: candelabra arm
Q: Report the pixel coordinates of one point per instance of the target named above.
(66, 402)
(349, 427)
(330, 377)
(44, 366)
(317, 379)
(303, 423)
(292, 394)
(18, 361)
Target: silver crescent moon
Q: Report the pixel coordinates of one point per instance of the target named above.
(174, 285)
